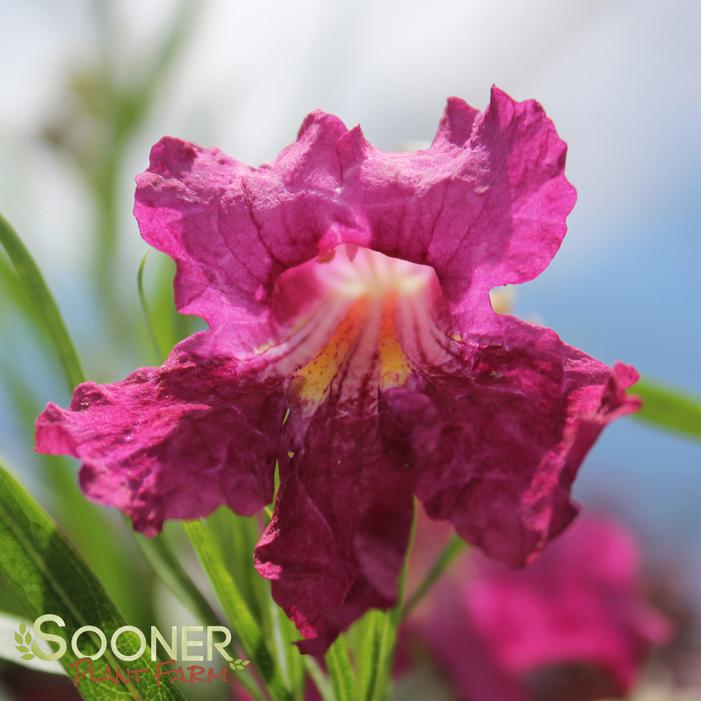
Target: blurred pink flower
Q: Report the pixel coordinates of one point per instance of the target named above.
(351, 339)
(574, 625)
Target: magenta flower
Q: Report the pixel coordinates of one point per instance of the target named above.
(576, 625)
(351, 340)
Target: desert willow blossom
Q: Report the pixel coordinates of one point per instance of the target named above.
(351, 341)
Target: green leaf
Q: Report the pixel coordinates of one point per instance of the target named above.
(18, 639)
(341, 670)
(377, 652)
(164, 324)
(11, 291)
(238, 614)
(669, 409)
(43, 301)
(288, 633)
(48, 576)
(373, 650)
(237, 537)
(283, 650)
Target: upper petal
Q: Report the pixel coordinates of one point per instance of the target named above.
(233, 228)
(485, 205)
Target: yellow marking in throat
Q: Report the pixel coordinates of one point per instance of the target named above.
(393, 367)
(319, 372)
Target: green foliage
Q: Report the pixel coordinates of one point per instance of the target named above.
(43, 302)
(669, 409)
(341, 670)
(48, 576)
(238, 614)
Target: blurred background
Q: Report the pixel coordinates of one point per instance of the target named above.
(89, 86)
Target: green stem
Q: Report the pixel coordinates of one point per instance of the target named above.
(374, 650)
(159, 353)
(280, 650)
(446, 558)
(319, 678)
(238, 614)
(164, 562)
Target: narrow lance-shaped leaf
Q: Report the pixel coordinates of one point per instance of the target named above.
(340, 669)
(48, 576)
(376, 633)
(238, 614)
(44, 303)
(670, 409)
(377, 655)
(162, 559)
(441, 564)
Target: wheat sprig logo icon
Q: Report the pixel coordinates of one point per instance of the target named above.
(239, 664)
(24, 640)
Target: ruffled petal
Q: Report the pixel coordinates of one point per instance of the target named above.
(484, 206)
(337, 540)
(499, 432)
(172, 442)
(232, 228)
